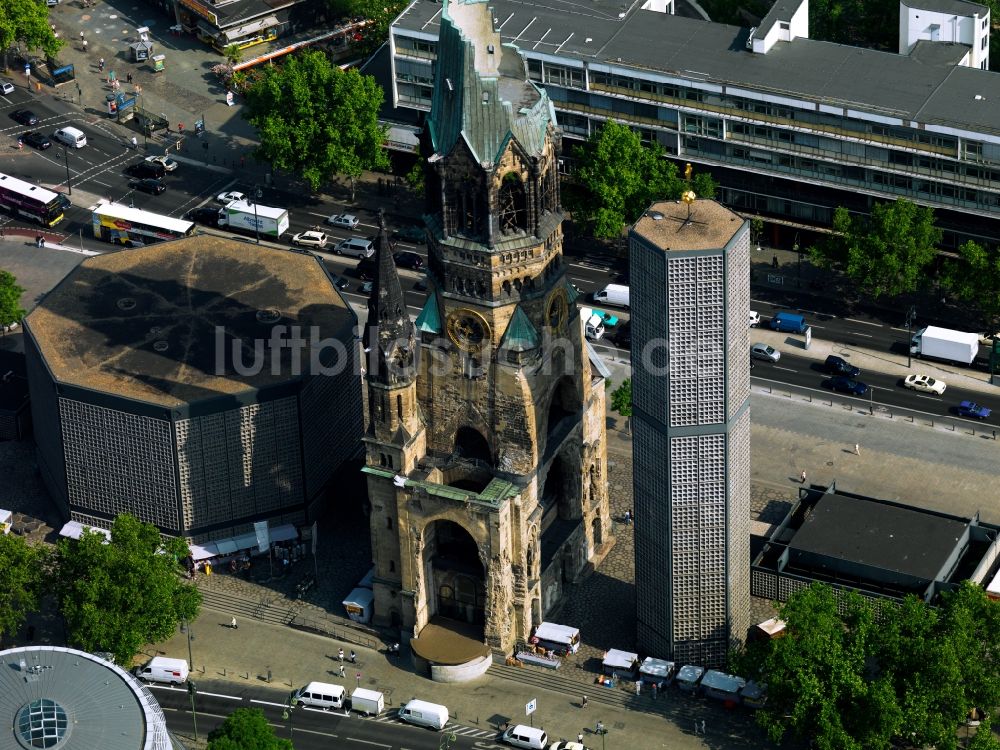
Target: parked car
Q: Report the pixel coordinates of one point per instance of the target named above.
(168, 164)
(230, 196)
(148, 185)
(341, 283)
(37, 140)
(839, 366)
(408, 259)
(24, 116)
(311, 238)
(347, 221)
(974, 410)
(205, 215)
(845, 384)
(564, 745)
(924, 384)
(754, 318)
(413, 234)
(6, 87)
(765, 352)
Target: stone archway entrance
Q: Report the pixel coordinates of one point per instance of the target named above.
(457, 580)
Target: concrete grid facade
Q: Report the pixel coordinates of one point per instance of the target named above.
(691, 424)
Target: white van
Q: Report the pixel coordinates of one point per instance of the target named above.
(367, 702)
(424, 714)
(322, 695)
(562, 639)
(529, 738)
(356, 247)
(613, 294)
(162, 669)
(72, 137)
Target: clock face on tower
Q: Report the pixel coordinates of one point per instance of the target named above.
(467, 329)
(557, 309)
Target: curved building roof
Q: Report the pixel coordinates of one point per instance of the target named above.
(158, 324)
(54, 698)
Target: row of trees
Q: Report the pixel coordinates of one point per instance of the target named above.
(27, 22)
(114, 595)
(850, 675)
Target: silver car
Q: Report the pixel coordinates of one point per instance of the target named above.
(348, 221)
(765, 352)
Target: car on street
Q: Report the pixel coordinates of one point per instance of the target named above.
(230, 196)
(311, 238)
(974, 410)
(341, 283)
(24, 116)
(563, 745)
(37, 140)
(765, 352)
(367, 286)
(839, 366)
(148, 185)
(623, 336)
(347, 221)
(146, 169)
(924, 384)
(168, 164)
(844, 384)
(413, 234)
(6, 87)
(421, 286)
(609, 320)
(754, 318)
(204, 215)
(407, 259)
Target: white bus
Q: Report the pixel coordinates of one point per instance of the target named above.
(134, 227)
(30, 201)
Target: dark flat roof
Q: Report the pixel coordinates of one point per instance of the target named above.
(890, 537)
(142, 323)
(955, 7)
(926, 88)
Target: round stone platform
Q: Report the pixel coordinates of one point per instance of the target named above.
(449, 651)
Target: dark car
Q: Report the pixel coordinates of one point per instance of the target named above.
(972, 409)
(204, 215)
(153, 187)
(37, 140)
(24, 116)
(839, 366)
(146, 169)
(845, 384)
(407, 259)
(366, 269)
(623, 336)
(409, 234)
(341, 283)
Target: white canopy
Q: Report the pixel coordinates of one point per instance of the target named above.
(616, 659)
(74, 530)
(658, 669)
(232, 545)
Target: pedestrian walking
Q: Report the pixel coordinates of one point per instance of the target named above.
(342, 671)
(638, 687)
(81, 35)
(600, 727)
(20, 143)
(354, 657)
(579, 737)
(802, 477)
(857, 449)
(100, 65)
(655, 688)
(41, 241)
(233, 625)
(135, 146)
(84, 45)
(583, 703)
(703, 726)
(38, 240)
(340, 654)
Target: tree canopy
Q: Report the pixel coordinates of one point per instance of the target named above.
(856, 677)
(887, 253)
(23, 572)
(27, 22)
(617, 178)
(377, 13)
(119, 595)
(316, 119)
(974, 278)
(10, 299)
(621, 398)
(246, 729)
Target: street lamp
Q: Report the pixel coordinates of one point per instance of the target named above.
(257, 194)
(287, 713)
(69, 187)
(192, 690)
(911, 315)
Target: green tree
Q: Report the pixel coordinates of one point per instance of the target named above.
(233, 53)
(27, 22)
(378, 15)
(618, 178)
(983, 739)
(416, 177)
(621, 398)
(974, 277)
(23, 572)
(10, 300)
(246, 729)
(316, 119)
(120, 594)
(885, 254)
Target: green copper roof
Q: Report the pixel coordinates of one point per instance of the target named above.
(521, 335)
(429, 320)
(493, 495)
(571, 291)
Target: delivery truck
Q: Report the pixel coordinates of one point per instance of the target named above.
(944, 344)
(269, 221)
(593, 326)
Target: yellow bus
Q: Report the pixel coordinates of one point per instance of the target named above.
(133, 227)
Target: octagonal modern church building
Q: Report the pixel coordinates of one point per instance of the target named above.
(200, 385)
(486, 450)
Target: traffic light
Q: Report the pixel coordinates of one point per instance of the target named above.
(192, 688)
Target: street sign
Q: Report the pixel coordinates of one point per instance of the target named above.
(530, 706)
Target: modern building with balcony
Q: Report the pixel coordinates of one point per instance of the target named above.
(790, 127)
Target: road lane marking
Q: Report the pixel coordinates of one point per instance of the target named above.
(866, 335)
(864, 322)
(367, 742)
(268, 703)
(786, 369)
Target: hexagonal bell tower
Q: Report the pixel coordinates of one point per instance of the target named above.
(509, 503)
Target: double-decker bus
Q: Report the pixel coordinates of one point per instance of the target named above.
(133, 227)
(30, 201)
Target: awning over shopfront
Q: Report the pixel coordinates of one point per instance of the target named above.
(232, 545)
(249, 29)
(74, 530)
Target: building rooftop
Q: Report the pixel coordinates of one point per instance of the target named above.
(956, 7)
(74, 700)
(880, 535)
(604, 34)
(146, 323)
(669, 226)
(232, 12)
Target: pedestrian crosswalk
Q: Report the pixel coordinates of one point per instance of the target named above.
(390, 716)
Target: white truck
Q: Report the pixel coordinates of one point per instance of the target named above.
(613, 294)
(269, 221)
(944, 344)
(593, 326)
